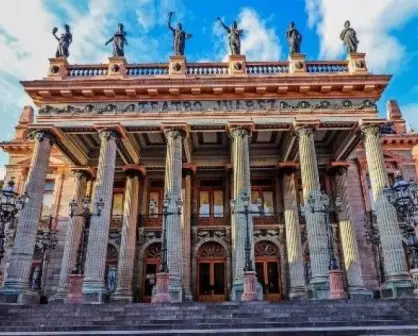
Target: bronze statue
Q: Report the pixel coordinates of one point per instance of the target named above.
(119, 40)
(64, 41)
(179, 36)
(234, 37)
(349, 36)
(294, 38)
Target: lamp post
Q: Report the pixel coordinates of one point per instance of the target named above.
(10, 204)
(322, 205)
(162, 293)
(250, 276)
(75, 282)
(403, 196)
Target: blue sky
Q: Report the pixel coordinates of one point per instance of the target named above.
(387, 30)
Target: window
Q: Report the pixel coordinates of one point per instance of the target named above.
(211, 199)
(117, 205)
(262, 190)
(48, 199)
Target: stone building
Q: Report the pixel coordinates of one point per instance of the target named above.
(198, 135)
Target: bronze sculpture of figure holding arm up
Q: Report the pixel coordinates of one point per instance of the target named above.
(64, 41)
(179, 36)
(119, 40)
(294, 38)
(349, 36)
(234, 37)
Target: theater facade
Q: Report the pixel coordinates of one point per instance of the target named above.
(209, 166)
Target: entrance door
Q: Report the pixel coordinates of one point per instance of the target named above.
(267, 266)
(211, 272)
(150, 267)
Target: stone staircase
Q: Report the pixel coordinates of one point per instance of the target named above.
(373, 317)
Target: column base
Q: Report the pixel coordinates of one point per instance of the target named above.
(175, 288)
(397, 289)
(336, 285)
(318, 290)
(238, 290)
(359, 293)
(75, 291)
(250, 287)
(122, 296)
(162, 291)
(59, 296)
(297, 293)
(94, 292)
(25, 296)
(414, 275)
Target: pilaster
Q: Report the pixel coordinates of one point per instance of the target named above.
(316, 226)
(187, 214)
(93, 285)
(398, 282)
(16, 285)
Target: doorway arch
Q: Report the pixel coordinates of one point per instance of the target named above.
(211, 272)
(151, 262)
(267, 266)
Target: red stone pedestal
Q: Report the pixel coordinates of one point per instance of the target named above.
(336, 290)
(250, 287)
(162, 294)
(75, 288)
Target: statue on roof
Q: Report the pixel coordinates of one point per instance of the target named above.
(118, 41)
(179, 36)
(64, 41)
(349, 36)
(234, 36)
(294, 38)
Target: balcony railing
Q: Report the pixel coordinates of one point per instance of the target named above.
(266, 219)
(147, 70)
(267, 68)
(221, 220)
(326, 67)
(151, 221)
(207, 69)
(87, 70)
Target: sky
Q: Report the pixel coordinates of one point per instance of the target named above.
(387, 30)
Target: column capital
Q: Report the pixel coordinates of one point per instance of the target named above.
(41, 135)
(174, 133)
(81, 175)
(107, 134)
(302, 129)
(338, 167)
(134, 170)
(241, 129)
(288, 167)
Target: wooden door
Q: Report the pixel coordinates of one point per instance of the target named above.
(267, 266)
(149, 271)
(211, 273)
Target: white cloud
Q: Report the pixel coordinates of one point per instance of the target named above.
(410, 114)
(259, 42)
(2, 172)
(374, 21)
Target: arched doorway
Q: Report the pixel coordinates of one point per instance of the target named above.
(151, 263)
(267, 266)
(211, 272)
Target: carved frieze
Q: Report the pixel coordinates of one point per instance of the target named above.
(277, 234)
(200, 235)
(246, 105)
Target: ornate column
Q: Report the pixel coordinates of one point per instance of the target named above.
(316, 226)
(174, 233)
(293, 238)
(398, 282)
(93, 285)
(73, 235)
(16, 285)
(128, 238)
(356, 287)
(241, 185)
(187, 214)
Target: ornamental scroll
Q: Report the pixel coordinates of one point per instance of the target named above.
(244, 105)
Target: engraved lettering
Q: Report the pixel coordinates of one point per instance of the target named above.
(165, 107)
(154, 106)
(250, 104)
(197, 106)
(176, 105)
(187, 106)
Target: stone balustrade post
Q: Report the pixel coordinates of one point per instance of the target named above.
(73, 236)
(126, 260)
(174, 234)
(293, 238)
(398, 282)
(16, 285)
(93, 285)
(356, 287)
(316, 226)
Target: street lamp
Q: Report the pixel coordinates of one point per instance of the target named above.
(10, 204)
(403, 196)
(86, 213)
(250, 277)
(162, 294)
(322, 205)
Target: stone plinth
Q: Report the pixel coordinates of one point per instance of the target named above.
(336, 285)
(75, 289)
(58, 68)
(117, 67)
(237, 65)
(297, 64)
(357, 63)
(250, 286)
(162, 293)
(177, 66)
